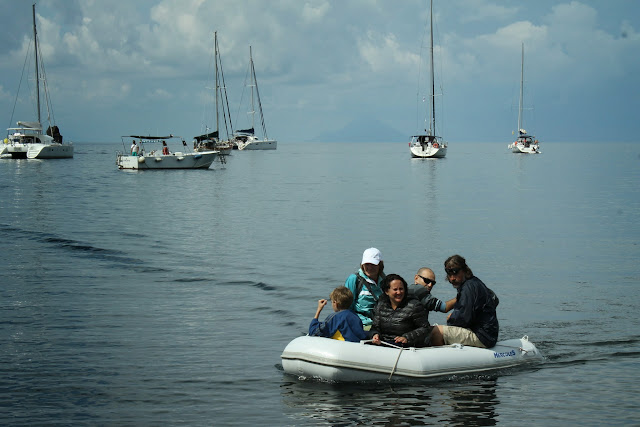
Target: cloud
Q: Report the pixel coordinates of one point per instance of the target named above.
(320, 63)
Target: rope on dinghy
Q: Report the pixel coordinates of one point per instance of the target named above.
(395, 365)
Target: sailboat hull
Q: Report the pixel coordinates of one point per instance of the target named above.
(428, 152)
(524, 149)
(258, 144)
(50, 151)
(426, 146)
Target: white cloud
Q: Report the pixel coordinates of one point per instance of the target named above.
(318, 60)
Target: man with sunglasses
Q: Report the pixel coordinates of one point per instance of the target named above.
(423, 283)
(473, 321)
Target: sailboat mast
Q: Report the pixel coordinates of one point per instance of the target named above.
(253, 85)
(217, 82)
(432, 126)
(35, 46)
(521, 90)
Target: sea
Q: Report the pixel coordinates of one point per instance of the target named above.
(146, 298)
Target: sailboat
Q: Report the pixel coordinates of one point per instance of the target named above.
(211, 140)
(246, 139)
(525, 143)
(428, 144)
(27, 140)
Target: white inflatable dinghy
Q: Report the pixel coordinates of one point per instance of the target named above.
(333, 360)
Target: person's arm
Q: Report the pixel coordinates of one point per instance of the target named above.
(354, 324)
(316, 328)
(463, 313)
(449, 305)
(420, 320)
(321, 304)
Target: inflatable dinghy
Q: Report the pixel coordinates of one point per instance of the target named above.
(333, 360)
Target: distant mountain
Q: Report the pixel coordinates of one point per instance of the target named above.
(362, 130)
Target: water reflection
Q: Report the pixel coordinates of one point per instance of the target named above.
(454, 401)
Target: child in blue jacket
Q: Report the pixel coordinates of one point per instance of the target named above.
(344, 324)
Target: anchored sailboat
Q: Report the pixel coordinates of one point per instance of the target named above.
(246, 139)
(525, 143)
(211, 140)
(27, 140)
(428, 144)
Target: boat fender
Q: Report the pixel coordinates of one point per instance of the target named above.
(158, 159)
(197, 156)
(181, 158)
(6, 141)
(141, 159)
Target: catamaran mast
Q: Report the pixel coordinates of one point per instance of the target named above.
(253, 85)
(432, 125)
(521, 90)
(35, 45)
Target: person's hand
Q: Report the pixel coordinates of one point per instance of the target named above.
(321, 303)
(376, 339)
(401, 340)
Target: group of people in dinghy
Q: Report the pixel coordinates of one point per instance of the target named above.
(383, 308)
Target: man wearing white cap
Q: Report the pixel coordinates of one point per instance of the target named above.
(365, 285)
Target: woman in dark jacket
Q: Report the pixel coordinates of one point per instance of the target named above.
(397, 318)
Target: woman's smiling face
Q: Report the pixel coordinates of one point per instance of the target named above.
(396, 292)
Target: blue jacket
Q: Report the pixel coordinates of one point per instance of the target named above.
(343, 321)
(475, 309)
(363, 302)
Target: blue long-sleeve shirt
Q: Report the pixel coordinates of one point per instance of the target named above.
(344, 323)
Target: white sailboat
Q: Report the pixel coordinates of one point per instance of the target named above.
(211, 140)
(28, 140)
(246, 139)
(525, 143)
(428, 144)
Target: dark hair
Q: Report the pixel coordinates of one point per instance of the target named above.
(456, 261)
(386, 283)
(342, 296)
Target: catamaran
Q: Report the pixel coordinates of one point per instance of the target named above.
(27, 139)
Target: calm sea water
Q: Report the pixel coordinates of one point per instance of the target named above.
(167, 297)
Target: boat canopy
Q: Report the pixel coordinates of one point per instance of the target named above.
(250, 131)
(150, 137)
(206, 136)
(30, 125)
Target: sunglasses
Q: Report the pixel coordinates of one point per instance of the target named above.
(452, 271)
(427, 281)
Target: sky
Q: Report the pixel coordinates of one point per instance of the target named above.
(329, 71)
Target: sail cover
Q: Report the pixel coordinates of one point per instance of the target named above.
(250, 131)
(206, 136)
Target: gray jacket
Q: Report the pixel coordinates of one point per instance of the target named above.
(428, 301)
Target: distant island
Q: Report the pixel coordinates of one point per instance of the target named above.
(362, 130)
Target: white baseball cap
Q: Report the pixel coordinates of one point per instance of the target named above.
(371, 256)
